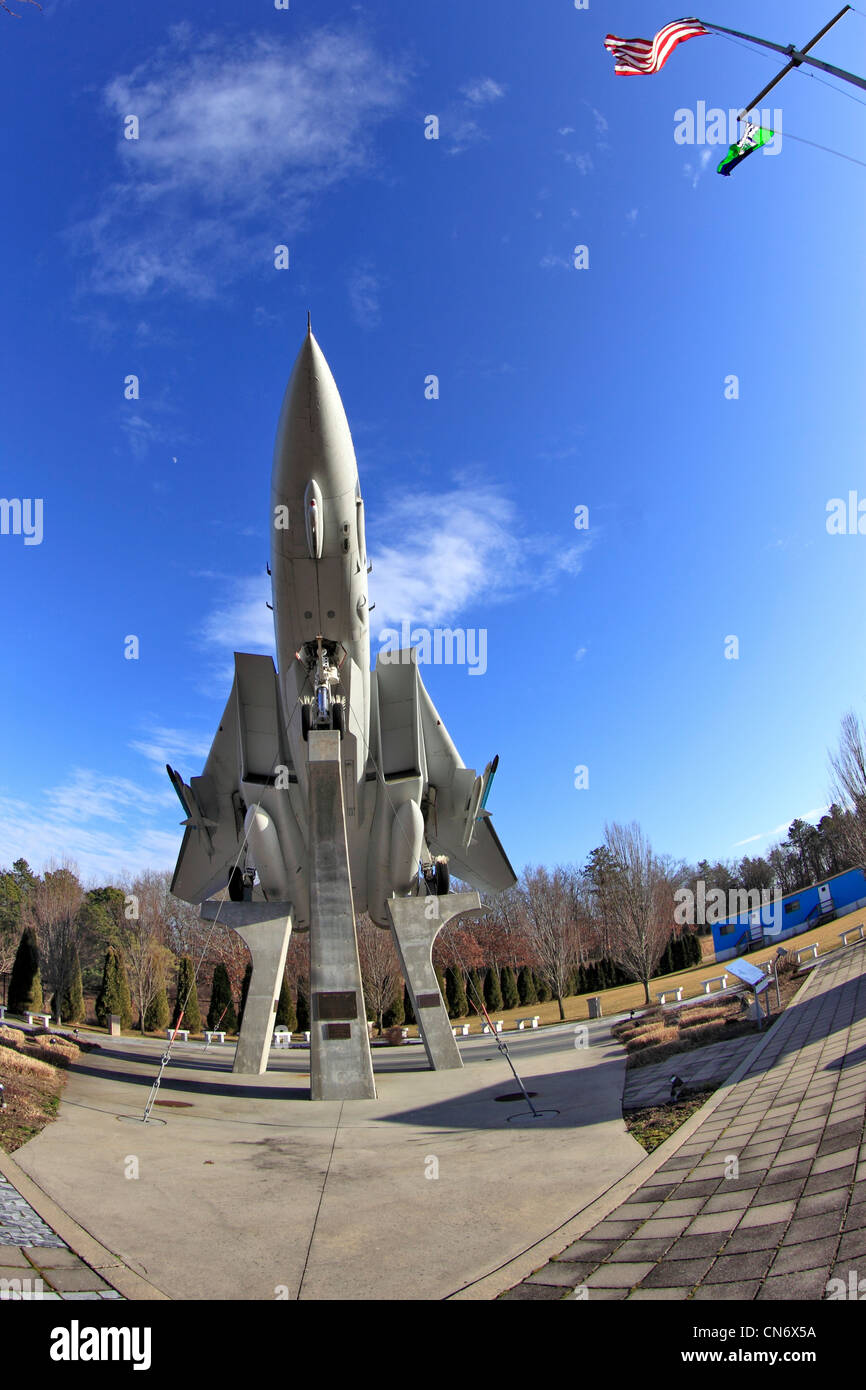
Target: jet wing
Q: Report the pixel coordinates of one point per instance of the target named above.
(458, 825)
(214, 816)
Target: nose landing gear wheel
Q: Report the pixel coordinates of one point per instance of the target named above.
(443, 878)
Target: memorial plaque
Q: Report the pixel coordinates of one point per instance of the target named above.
(336, 1004)
(335, 1031)
(428, 1001)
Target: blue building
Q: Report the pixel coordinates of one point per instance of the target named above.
(753, 925)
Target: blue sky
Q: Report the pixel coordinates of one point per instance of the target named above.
(559, 387)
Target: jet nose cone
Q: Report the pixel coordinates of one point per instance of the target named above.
(313, 437)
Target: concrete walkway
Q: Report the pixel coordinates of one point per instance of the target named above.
(244, 1189)
(765, 1197)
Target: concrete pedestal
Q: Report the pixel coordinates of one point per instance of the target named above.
(341, 1067)
(266, 928)
(416, 922)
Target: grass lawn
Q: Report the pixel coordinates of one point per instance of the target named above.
(32, 1072)
(627, 997)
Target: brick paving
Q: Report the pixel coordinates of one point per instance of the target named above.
(790, 1216)
(35, 1264)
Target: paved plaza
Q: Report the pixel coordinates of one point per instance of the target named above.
(766, 1196)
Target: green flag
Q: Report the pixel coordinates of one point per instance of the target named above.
(753, 138)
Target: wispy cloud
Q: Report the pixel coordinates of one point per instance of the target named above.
(695, 172)
(364, 290)
(237, 140)
(482, 91)
(814, 815)
(108, 826)
(485, 557)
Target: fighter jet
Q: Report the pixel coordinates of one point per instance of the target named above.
(414, 813)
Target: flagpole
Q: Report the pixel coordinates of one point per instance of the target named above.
(797, 56)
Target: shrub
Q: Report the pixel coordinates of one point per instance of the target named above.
(492, 991)
(157, 1013)
(526, 986)
(221, 1013)
(286, 1015)
(408, 1011)
(114, 996)
(508, 984)
(303, 1008)
(187, 997)
(69, 1006)
(393, 1015)
(458, 1005)
(25, 985)
(245, 989)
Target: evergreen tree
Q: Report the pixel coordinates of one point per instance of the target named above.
(458, 1005)
(508, 984)
(492, 991)
(408, 1011)
(443, 988)
(582, 986)
(114, 996)
(221, 1013)
(70, 1007)
(157, 1013)
(393, 1015)
(303, 1008)
(187, 997)
(526, 986)
(475, 992)
(245, 989)
(25, 984)
(542, 989)
(286, 1014)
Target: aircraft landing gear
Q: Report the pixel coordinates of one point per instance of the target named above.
(437, 877)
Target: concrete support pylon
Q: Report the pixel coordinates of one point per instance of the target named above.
(341, 1066)
(415, 923)
(266, 929)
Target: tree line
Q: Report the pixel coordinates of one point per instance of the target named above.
(559, 931)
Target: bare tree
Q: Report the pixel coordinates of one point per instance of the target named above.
(53, 910)
(147, 956)
(550, 927)
(848, 768)
(637, 901)
(380, 968)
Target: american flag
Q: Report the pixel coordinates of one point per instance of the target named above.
(635, 57)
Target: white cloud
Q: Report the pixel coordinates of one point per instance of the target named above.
(551, 262)
(814, 815)
(482, 558)
(696, 171)
(582, 162)
(108, 825)
(163, 746)
(482, 91)
(364, 291)
(237, 139)
(243, 622)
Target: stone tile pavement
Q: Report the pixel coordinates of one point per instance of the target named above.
(35, 1263)
(701, 1070)
(766, 1199)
